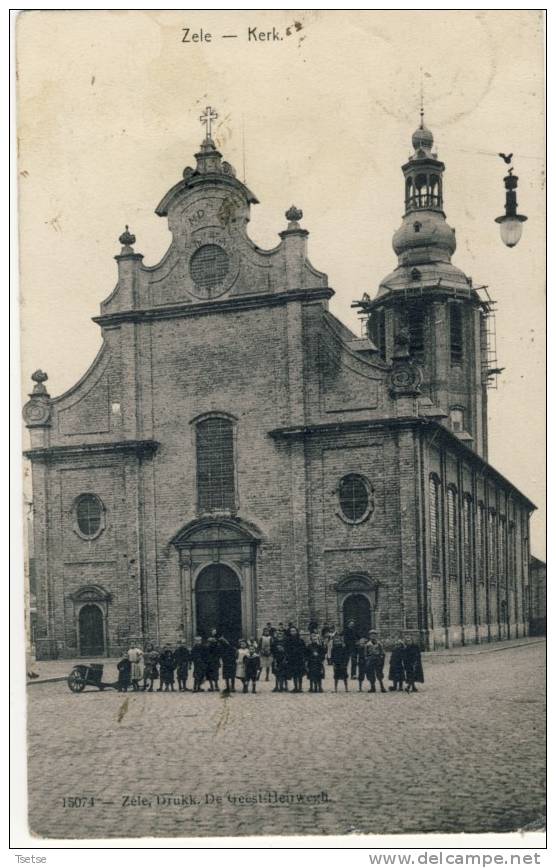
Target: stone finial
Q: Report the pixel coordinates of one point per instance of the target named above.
(36, 411)
(39, 378)
(293, 215)
(126, 238)
(187, 172)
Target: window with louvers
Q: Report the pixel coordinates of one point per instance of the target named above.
(456, 334)
(434, 510)
(452, 534)
(215, 465)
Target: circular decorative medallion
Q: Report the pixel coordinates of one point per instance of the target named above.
(209, 267)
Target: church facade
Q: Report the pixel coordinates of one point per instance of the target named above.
(236, 455)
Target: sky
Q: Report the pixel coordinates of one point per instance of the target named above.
(321, 117)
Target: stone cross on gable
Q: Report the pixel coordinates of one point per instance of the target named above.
(207, 118)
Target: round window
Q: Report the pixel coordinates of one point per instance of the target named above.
(89, 515)
(355, 501)
(209, 266)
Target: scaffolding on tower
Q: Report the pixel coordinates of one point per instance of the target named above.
(489, 359)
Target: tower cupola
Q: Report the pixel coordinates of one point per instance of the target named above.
(424, 235)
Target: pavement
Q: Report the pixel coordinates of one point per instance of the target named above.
(464, 754)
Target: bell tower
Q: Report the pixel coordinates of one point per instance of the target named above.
(445, 318)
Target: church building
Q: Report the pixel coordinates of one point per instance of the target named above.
(236, 455)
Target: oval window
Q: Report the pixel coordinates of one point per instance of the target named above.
(355, 502)
(89, 515)
(209, 266)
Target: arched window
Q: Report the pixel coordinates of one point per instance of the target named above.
(512, 560)
(88, 514)
(480, 536)
(215, 465)
(356, 498)
(456, 334)
(434, 521)
(467, 538)
(502, 550)
(491, 539)
(451, 499)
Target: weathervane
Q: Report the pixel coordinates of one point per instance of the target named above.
(207, 118)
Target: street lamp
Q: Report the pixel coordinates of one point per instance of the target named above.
(510, 222)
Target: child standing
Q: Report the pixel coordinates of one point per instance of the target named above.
(340, 657)
(266, 652)
(412, 664)
(124, 674)
(199, 661)
(167, 666)
(213, 662)
(314, 661)
(181, 658)
(280, 662)
(228, 655)
(242, 653)
(252, 668)
(361, 661)
(396, 670)
(150, 668)
(375, 662)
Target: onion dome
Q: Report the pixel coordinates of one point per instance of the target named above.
(422, 139)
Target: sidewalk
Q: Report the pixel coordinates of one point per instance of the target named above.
(58, 670)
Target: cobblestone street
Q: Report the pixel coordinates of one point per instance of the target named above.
(466, 753)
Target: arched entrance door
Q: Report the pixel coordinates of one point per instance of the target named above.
(218, 602)
(91, 631)
(358, 609)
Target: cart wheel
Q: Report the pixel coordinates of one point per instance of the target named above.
(76, 681)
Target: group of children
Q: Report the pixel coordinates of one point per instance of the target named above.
(280, 652)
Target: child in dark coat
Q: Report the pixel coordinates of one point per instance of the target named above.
(167, 666)
(280, 663)
(412, 664)
(295, 650)
(252, 668)
(199, 661)
(315, 664)
(181, 658)
(124, 674)
(213, 662)
(361, 659)
(396, 671)
(228, 655)
(340, 657)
